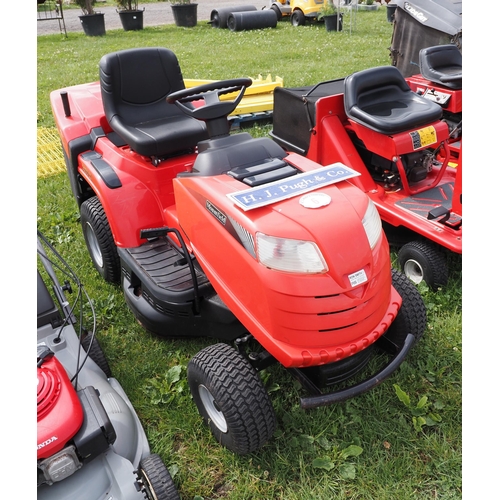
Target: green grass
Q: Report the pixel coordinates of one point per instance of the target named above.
(300, 56)
(314, 454)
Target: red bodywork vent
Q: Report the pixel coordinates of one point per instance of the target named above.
(59, 411)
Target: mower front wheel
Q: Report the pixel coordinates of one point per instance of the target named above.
(231, 398)
(412, 316)
(155, 480)
(421, 261)
(99, 240)
(298, 18)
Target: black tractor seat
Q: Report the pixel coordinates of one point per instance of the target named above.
(134, 87)
(381, 99)
(442, 64)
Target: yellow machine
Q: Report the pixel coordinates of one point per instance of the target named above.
(297, 10)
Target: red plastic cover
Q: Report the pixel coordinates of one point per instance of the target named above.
(59, 411)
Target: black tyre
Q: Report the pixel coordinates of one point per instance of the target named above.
(412, 317)
(298, 18)
(99, 240)
(155, 481)
(231, 398)
(423, 261)
(277, 10)
(93, 348)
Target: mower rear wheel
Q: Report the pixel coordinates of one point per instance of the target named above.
(422, 261)
(99, 240)
(95, 352)
(412, 316)
(298, 18)
(231, 398)
(155, 480)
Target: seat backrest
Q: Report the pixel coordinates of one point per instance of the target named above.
(134, 86)
(372, 85)
(442, 64)
(137, 81)
(381, 99)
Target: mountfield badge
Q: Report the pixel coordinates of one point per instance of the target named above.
(315, 200)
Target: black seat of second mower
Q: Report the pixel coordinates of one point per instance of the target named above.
(134, 87)
(442, 64)
(381, 99)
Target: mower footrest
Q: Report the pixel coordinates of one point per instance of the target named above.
(165, 266)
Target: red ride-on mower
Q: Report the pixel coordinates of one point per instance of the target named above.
(405, 150)
(230, 237)
(90, 442)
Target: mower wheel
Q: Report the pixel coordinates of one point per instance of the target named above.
(422, 261)
(155, 480)
(298, 18)
(231, 398)
(277, 11)
(412, 317)
(99, 240)
(95, 352)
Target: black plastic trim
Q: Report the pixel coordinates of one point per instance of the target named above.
(357, 389)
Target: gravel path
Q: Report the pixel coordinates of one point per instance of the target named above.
(155, 14)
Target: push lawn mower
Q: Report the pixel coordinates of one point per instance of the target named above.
(230, 237)
(405, 146)
(90, 442)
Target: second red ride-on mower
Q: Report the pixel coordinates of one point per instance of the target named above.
(230, 237)
(404, 138)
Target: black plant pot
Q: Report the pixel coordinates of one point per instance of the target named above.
(132, 20)
(391, 10)
(93, 24)
(331, 22)
(185, 15)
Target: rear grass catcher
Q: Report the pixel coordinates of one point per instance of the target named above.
(233, 238)
(90, 442)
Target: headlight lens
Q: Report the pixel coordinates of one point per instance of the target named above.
(372, 224)
(292, 256)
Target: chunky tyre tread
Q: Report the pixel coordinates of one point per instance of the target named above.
(412, 317)
(431, 259)
(238, 392)
(154, 475)
(96, 354)
(92, 213)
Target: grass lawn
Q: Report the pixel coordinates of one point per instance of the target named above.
(373, 447)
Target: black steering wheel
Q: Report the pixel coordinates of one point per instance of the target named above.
(210, 93)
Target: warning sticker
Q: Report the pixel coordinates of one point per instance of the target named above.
(357, 278)
(423, 137)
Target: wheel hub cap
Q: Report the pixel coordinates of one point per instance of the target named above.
(414, 271)
(94, 245)
(215, 415)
